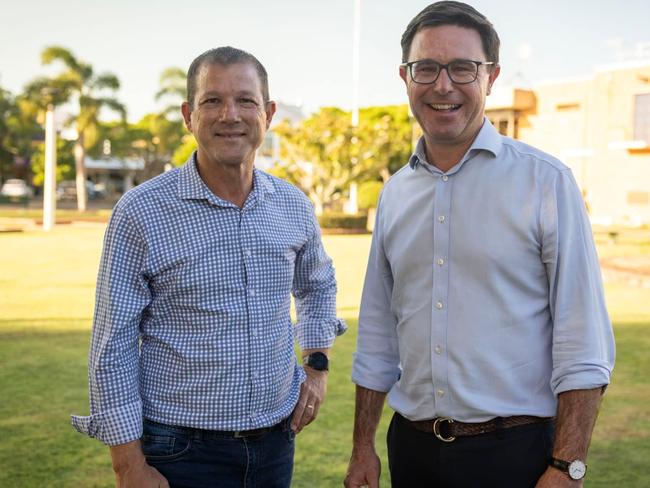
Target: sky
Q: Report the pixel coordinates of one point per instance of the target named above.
(306, 45)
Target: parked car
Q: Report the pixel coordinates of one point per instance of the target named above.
(67, 190)
(15, 189)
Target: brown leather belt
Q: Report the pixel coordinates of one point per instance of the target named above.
(447, 429)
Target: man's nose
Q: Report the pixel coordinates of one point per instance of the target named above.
(443, 84)
(228, 111)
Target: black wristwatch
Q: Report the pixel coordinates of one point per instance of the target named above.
(575, 469)
(317, 361)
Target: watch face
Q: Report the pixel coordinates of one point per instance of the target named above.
(317, 361)
(577, 470)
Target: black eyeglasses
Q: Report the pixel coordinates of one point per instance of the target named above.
(460, 71)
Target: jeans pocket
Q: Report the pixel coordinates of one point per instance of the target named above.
(159, 446)
(286, 429)
(291, 436)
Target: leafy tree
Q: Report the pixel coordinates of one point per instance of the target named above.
(18, 131)
(160, 138)
(185, 150)
(8, 112)
(386, 134)
(324, 153)
(369, 194)
(8, 109)
(65, 169)
(173, 90)
(156, 136)
(92, 92)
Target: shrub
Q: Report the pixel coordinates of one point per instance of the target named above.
(342, 221)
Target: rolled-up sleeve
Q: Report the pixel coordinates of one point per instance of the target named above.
(583, 341)
(314, 290)
(376, 361)
(121, 298)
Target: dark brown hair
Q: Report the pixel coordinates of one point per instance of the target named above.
(453, 13)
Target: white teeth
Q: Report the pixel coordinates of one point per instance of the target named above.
(443, 106)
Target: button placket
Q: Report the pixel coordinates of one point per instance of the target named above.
(441, 249)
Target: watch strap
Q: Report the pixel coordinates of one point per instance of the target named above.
(566, 467)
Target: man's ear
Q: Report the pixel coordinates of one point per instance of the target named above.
(403, 73)
(270, 111)
(494, 74)
(185, 110)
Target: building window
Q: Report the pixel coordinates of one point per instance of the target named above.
(642, 118)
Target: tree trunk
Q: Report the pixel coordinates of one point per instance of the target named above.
(318, 203)
(80, 165)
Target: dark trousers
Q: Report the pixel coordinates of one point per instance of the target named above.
(194, 458)
(510, 458)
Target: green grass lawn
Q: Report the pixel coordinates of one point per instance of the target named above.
(46, 300)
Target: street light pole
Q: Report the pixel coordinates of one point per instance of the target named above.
(352, 206)
(49, 186)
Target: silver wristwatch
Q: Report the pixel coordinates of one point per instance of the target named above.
(575, 469)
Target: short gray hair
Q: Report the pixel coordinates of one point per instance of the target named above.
(226, 55)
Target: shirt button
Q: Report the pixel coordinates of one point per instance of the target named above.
(441, 392)
(247, 253)
(439, 305)
(253, 332)
(438, 350)
(441, 218)
(440, 261)
(251, 292)
(445, 177)
(255, 374)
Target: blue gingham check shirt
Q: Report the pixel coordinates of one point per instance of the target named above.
(192, 319)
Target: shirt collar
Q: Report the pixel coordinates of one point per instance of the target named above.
(488, 139)
(192, 187)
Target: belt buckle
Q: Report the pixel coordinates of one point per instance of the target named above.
(436, 429)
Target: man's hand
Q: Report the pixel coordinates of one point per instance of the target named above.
(554, 478)
(131, 468)
(143, 476)
(364, 469)
(312, 395)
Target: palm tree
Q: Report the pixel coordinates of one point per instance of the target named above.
(90, 91)
(173, 89)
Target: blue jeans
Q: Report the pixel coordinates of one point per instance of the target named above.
(195, 458)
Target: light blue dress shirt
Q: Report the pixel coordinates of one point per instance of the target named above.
(192, 324)
(483, 294)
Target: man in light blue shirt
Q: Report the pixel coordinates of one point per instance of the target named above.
(193, 376)
(482, 316)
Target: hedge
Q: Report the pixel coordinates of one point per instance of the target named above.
(342, 221)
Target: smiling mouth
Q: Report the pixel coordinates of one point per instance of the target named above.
(230, 135)
(445, 107)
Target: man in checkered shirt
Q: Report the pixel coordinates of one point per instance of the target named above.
(193, 376)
